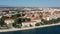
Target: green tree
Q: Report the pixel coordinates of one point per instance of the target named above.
(37, 24)
(17, 23)
(2, 22)
(28, 19)
(53, 21)
(46, 22)
(4, 17)
(58, 19)
(23, 12)
(25, 19)
(30, 25)
(7, 11)
(16, 16)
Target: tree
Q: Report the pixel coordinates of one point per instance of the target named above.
(16, 16)
(37, 24)
(46, 22)
(28, 19)
(4, 17)
(41, 23)
(7, 11)
(30, 25)
(53, 21)
(23, 13)
(58, 19)
(25, 19)
(42, 20)
(32, 15)
(17, 23)
(2, 22)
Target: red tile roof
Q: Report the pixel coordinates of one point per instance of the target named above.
(9, 19)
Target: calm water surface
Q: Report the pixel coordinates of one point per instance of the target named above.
(46, 30)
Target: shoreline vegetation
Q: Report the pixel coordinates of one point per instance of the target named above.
(17, 29)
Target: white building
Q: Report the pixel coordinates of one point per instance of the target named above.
(27, 24)
(9, 20)
(12, 12)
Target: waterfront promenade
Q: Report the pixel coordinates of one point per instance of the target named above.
(16, 29)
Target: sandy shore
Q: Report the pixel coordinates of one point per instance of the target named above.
(16, 29)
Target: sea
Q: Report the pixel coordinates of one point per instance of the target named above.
(44, 30)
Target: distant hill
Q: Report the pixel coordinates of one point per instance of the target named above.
(6, 6)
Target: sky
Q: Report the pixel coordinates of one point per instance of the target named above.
(31, 3)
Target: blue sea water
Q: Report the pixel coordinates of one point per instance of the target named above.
(45, 30)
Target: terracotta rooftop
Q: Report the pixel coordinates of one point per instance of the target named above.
(9, 19)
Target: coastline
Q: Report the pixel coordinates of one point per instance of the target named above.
(16, 29)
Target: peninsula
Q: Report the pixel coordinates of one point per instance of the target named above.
(14, 19)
